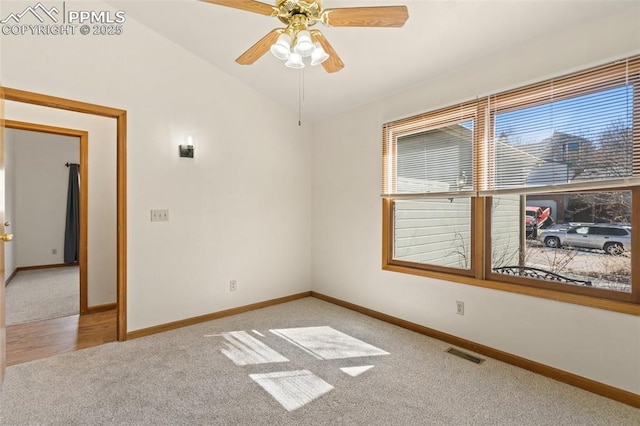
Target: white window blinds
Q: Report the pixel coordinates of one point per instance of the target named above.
(432, 153)
(577, 131)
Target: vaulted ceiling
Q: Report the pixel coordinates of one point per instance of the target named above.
(438, 37)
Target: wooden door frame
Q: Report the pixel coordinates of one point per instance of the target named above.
(83, 135)
(120, 116)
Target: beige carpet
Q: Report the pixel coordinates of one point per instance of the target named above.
(39, 294)
(306, 362)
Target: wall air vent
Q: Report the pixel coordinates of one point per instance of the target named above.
(464, 355)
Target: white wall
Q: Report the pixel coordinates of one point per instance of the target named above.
(240, 210)
(40, 190)
(597, 344)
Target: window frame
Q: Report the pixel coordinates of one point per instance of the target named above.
(430, 121)
(632, 297)
(471, 272)
(483, 112)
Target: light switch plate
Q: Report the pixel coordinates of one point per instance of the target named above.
(159, 215)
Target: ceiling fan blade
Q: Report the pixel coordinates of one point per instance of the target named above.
(256, 51)
(377, 16)
(334, 63)
(248, 5)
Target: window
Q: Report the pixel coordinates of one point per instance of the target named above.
(433, 231)
(594, 257)
(432, 212)
(537, 188)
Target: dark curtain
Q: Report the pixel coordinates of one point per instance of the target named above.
(72, 229)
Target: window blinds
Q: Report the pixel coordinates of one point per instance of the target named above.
(430, 153)
(578, 132)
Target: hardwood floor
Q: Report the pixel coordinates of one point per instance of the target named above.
(42, 339)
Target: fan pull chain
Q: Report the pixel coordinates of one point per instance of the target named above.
(300, 95)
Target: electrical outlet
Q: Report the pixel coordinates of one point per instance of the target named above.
(459, 307)
(233, 285)
(54, 251)
(161, 215)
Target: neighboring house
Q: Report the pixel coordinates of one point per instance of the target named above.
(566, 158)
(417, 153)
(506, 230)
(434, 230)
(513, 166)
(561, 158)
(437, 230)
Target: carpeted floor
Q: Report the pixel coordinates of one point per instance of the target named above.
(38, 294)
(306, 362)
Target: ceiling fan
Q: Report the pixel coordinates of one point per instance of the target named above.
(295, 41)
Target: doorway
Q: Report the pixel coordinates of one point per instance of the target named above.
(120, 117)
(42, 283)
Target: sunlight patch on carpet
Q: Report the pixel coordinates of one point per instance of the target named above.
(244, 349)
(327, 343)
(356, 371)
(292, 389)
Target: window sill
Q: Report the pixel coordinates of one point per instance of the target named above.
(576, 299)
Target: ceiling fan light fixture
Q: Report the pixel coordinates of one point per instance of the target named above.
(297, 16)
(294, 61)
(304, 45)
(319, 55)
(281, 49)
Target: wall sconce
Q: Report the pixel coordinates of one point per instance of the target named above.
(187, 149)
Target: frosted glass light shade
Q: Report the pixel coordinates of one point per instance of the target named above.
(304, 45)
(319, 55)
(294, 61)
(282, 47)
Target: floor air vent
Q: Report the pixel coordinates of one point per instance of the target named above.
(468, 357)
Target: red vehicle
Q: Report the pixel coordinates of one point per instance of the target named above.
(537, 218)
